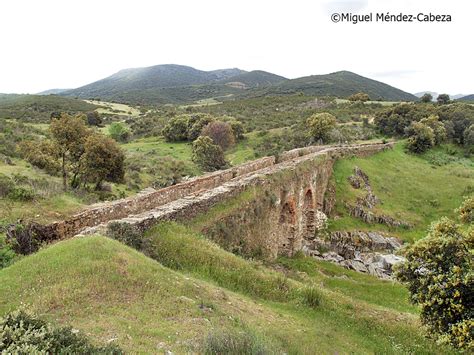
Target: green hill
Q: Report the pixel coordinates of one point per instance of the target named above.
(171, 83)
(467, 98)
(113, 293)
(38, 108)
(255, 78)
(128, 84)
(341, 84)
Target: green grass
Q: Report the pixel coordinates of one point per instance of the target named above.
(410, 188)
(110, 291)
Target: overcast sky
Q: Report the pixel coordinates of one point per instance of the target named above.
(69, 43)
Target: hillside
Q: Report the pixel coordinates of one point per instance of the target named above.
(53, 91)
(254, 78)
(170, 83)
(158, 77)
(39, 107)
(467, 98)
(341, 84)
(113, 293)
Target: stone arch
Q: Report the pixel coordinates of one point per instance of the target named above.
(308, 215)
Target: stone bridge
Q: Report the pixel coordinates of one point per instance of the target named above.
(264, 208)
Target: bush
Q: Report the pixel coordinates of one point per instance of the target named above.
(127, 234)
(438, 273)
(6, 186)
(7, 255)
(234, 342)
(311, 297)
(22, 332)
(360, 96)
(466, 211)
(196, 123)
(119, 132)
(421, 138)
(208, 155)
(176, 130)
(320, 125)
(221, 134)
(27, 238)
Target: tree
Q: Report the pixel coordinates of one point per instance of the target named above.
(207, 155)
(438, 128)
(237, 129)
(102, 160)
(69, 133)
(426, 98)
(469, 138)
(443, 99)
(197, 123)
(320, 125)
(421, 137)
(221, 134)
(119, 132)
(439, 274)
(360, 96)
(93, 118)
(176, 130)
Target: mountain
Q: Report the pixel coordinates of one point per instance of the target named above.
(158, 77)
(52, 91)
(170, 83)
(255, 78)
(341, 84)
(467, 98)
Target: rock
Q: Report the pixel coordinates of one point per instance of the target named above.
(332, 256)
(389, 260)
(355, 265)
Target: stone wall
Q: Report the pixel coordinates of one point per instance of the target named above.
(276, 216)
(150, 199)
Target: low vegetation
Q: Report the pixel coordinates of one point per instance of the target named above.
(439, 275)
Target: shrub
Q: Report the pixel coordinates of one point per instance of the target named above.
(7, 255)
(127, 234)
(20, 193)
(21, 332)
(320, 125)
(221, 134)
(438, 273)
(208, 155)
(311, 297)
(466, 211)
(234, 342)
(421, 138)
(197, 123)
(27, 238)
(360, 96)
(237, 129)
(119, 132)
(6, 185)
(176, 130)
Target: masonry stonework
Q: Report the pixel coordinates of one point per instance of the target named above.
(273, 202)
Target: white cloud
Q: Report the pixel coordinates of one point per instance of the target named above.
(55, 43)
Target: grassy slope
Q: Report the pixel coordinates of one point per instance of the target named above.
(108, 290)
(409, 187)
(38, 108)
(45, 209)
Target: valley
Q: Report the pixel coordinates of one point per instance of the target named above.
(167, 209)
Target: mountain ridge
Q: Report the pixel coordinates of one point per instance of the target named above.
(172, 83)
